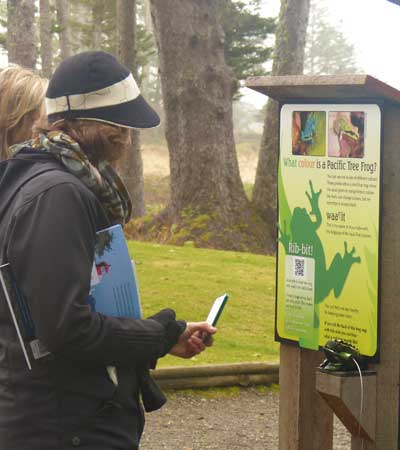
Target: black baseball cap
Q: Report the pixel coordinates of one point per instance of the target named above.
(95, 86)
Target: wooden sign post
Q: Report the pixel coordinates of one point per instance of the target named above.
(338, 265)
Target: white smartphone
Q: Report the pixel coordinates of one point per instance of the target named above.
(216, 310)
(213, 315)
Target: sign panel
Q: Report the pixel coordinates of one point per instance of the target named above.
(329, 218)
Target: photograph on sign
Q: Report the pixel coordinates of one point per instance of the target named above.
(309, 133)
(328, 243)
(346, 134)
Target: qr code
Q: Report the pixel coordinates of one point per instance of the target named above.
(299, 267)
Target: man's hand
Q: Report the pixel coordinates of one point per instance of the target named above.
(191, 341)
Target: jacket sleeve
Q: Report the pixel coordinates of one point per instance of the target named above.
(51, 250)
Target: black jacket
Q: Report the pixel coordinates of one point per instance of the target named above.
(48, 221)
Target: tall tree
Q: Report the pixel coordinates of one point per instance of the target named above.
(21, 32)
(197, 90)
(131, 167)
(146, 51)
(327, 50)
(93, 25)
(46, 35)
(288, 60)
(62, 8)
(97, 19)
(147, 60)
(246, 34)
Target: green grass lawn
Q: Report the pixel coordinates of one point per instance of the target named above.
(188, 280)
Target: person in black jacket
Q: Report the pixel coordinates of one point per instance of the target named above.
(55, 193)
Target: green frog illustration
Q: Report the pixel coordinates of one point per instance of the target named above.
(343, 128)
(303, 230)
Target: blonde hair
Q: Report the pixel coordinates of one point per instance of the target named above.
(21, 103)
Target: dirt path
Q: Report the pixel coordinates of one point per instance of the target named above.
(247, 420)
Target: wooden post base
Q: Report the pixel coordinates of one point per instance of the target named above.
(305, 420)
(342, 392)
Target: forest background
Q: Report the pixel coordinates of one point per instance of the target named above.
(207, 175)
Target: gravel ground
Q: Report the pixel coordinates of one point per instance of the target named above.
(247, 420)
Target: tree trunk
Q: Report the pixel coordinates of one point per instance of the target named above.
(62, 8)
(145, 73)
(131, 167)
(288, 60)
(21, 32)
(310, 40)
(97, 15)
(46, 47)
(197, 90)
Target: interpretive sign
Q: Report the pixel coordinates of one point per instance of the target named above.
(329, 220)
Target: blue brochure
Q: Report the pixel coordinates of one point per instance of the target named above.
(114, 290)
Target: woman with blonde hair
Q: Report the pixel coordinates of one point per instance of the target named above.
(21, 103)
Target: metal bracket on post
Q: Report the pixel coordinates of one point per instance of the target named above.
(342, 392)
